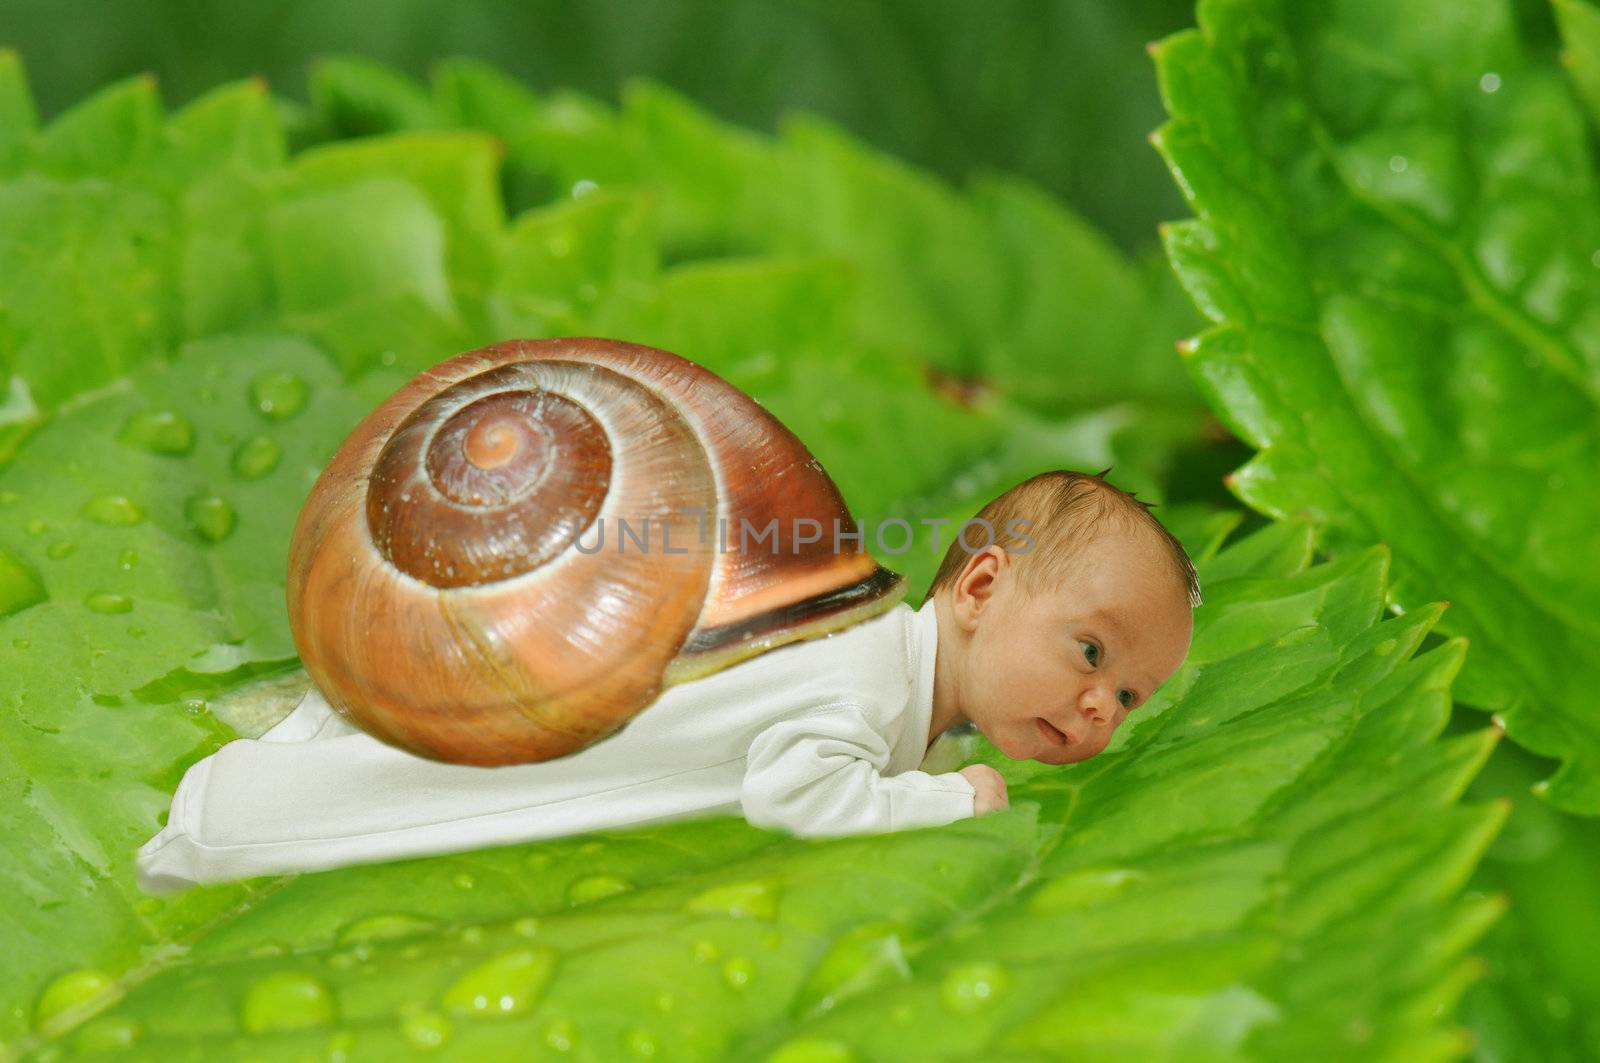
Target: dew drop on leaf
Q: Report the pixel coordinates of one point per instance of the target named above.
(594, 887)
(642, 1043)
(108, 1033)
(464, 881)
(561, 1035)
(973, 986)
(61, 550)
(340, 1045)
(256, 457)
(19, 587)
(278, 394)
(754, 899)
(385, 927)
(812, 1050)
(128, 559)
(108, 602)
(36, 527)
(211, 517)
(705, 951)
(113, 509)
(738, 971)
(424, 1028)
(69, 992)
(508, 984)
(159, 432)
(527, 927)
(287, 1000)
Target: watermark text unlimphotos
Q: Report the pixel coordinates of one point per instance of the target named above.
(682, 531)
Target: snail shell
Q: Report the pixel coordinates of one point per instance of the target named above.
(445, 589)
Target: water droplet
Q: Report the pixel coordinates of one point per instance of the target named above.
(973, 986)
(21, 644)
(158, 431)
(386, 927)
(424, 1027)
(19, 587)
(738, 971)
(812, 1050)
(340, 1045)
(36, 527)
(278, 394)
(472, 935)
(526, 927)
(642, 1043)
(72, 991)
(590, 848)
(665, 1001)
(755, 900)
(128, 559)
(262, 951)
(865, 956)
(61, 550)
(1490, 82)
(1398, 164)
(108, 1033)
(107, 602)
(561, 1035)
(113, 509)
(1084, 887)
(287, 1000)
(256, 457)
(211, 517)
(1386, 647)
(705, 951)
(508, 984)
(195, 706)
(583, 187)
(464, 881)
(594, 887)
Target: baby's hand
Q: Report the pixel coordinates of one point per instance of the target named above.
(991, 787)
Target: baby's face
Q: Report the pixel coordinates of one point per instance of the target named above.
(1050, 678)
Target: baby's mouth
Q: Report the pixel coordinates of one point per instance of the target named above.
(1051, 734)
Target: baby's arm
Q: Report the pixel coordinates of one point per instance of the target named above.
(819, 774)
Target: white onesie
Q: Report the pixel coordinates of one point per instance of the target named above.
(819, 737)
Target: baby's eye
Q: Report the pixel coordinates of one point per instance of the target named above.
(1126, 697)
(1091, 652)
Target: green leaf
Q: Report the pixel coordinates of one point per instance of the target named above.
(1397, 217)
(1540, 993)
(1580, 31)
(18, 117)
(1270, 860)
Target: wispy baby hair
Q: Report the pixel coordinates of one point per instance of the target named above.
(1061, 512)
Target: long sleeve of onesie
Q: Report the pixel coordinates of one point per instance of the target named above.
(820, 774)
(800, 739)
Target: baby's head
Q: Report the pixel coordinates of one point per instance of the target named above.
(1051, 636)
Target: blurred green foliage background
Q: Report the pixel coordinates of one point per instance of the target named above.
(1058, 92)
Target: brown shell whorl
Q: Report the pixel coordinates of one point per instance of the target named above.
(490, 478)
(435, 590)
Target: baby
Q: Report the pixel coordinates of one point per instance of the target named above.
(1044, 640)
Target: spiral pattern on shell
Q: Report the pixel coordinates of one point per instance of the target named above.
(439, 590)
